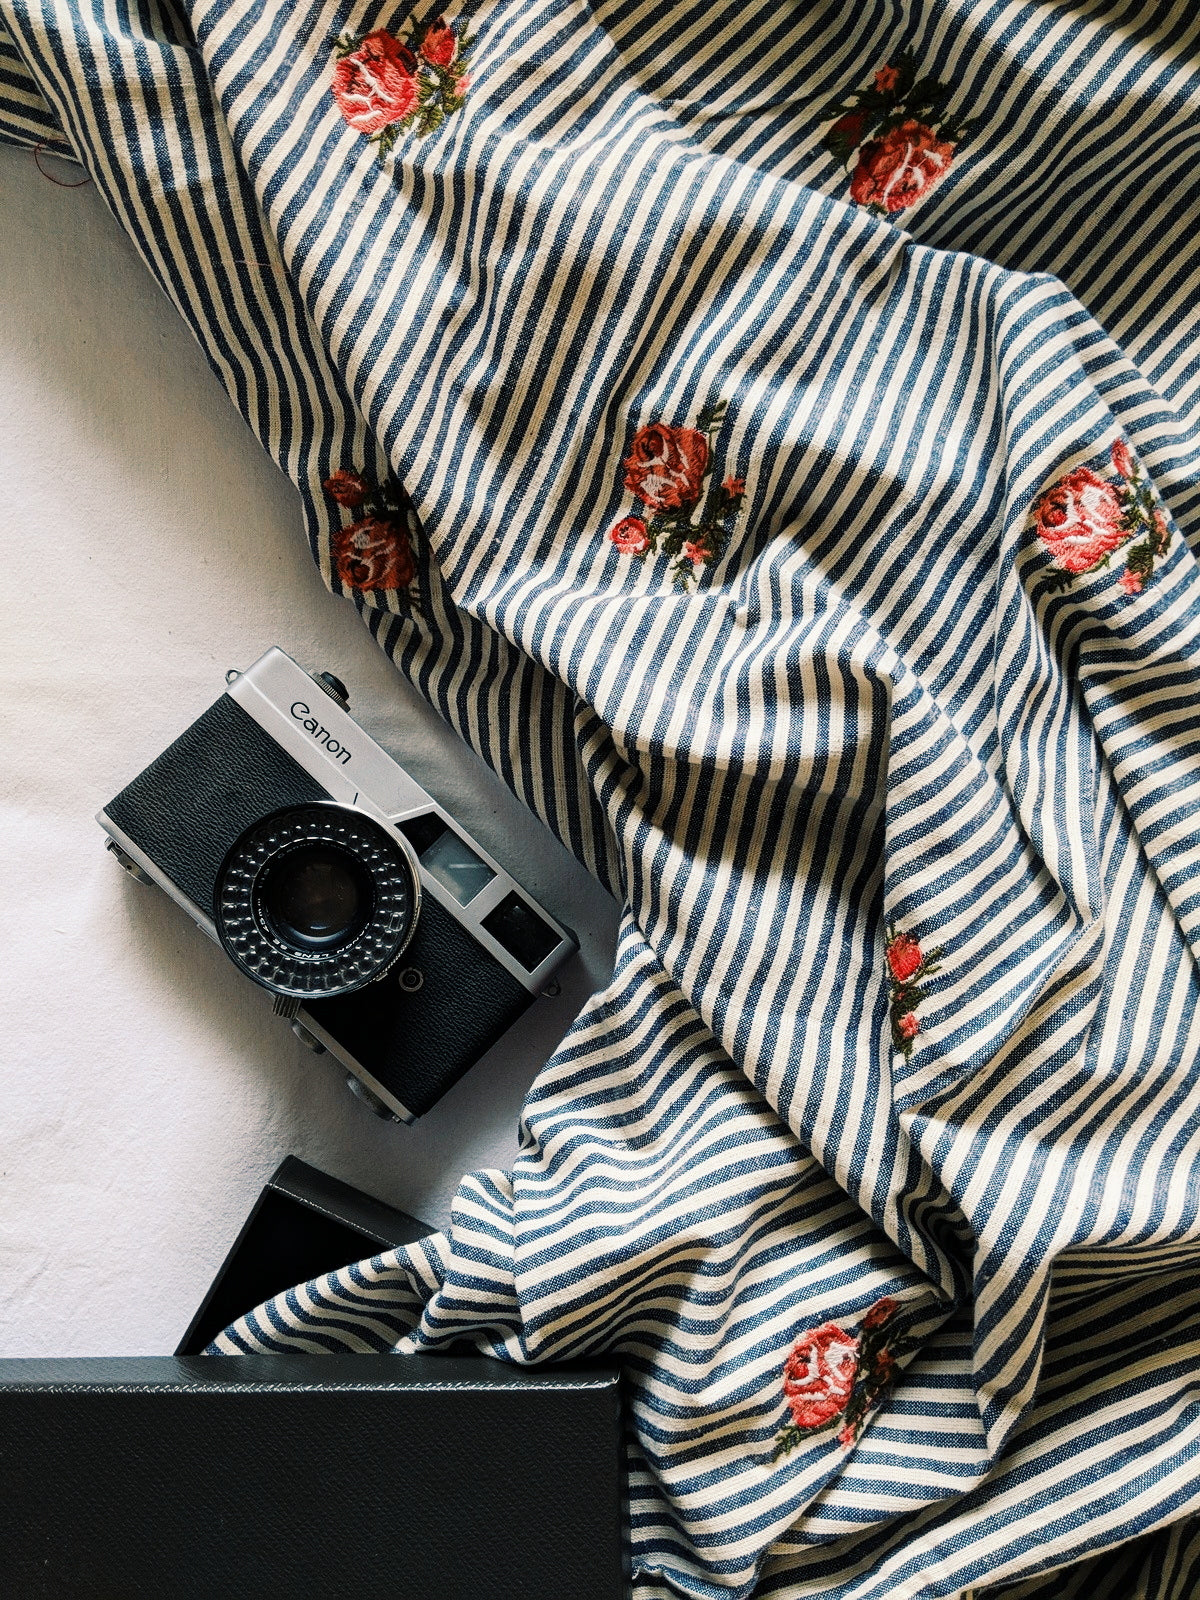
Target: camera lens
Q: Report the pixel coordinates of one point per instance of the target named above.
(317, 901)
(316, 897)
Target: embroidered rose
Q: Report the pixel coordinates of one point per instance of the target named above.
(347, 488)
(904, 140)
(375, 83)
(896, 171)
(438, 44)
(665, 466)
(1080, 520)
(630, 536)
(818, 1377)
(669, 469)
(1084, 517)
(903, 956)
(386, 85)
(834, 1376)
(907, 964)
(376, 550)
(373, 554)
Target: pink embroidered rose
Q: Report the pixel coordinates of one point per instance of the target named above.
(347, 488)
(1080, 520)
(375, 84)
(882, 1311)
(908, 1025)
(901, 168)
(373, 554)
(630, 536)
(1131, 582)
(665, 466)
(438, 44)
(818, 1376)
(886, 79)
(903, 956)
(1122, 458)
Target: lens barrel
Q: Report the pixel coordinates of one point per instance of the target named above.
(317, 900)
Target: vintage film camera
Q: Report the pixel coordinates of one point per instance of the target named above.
(329, 876)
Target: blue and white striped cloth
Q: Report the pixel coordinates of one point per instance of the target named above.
(921, 277)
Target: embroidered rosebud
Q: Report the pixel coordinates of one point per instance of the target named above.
(882, 1311)
(847, 1436)
(1162, 529)
(347, 488)
(438, 44)
(904, 958)
(735, 488)
(697, 554)
(630, 536)
(1122, 458)
(1131, 582)
(909, 1026)
(848, 129)
(886, 79)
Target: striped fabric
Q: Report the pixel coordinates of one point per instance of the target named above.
(877, 718)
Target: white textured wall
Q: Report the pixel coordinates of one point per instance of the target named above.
(149, 544)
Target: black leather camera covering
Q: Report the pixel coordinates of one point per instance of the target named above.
(303, 1225)
(191, 804)
(418, 1044)
(225, 773)
(297, 1477)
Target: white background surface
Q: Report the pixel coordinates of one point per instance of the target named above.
(148, 1092)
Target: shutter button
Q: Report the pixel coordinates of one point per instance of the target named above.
(334, 688)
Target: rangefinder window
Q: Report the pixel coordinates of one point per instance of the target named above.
(519, 929)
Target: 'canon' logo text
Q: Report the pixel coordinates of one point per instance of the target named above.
(322, 735)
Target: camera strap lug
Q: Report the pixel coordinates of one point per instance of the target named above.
(286, 1005)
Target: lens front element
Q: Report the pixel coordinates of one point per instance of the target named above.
(316, 897)
(317, 901)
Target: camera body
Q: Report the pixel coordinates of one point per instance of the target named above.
(389, 937)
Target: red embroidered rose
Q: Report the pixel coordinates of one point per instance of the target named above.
(373, 554)
(630, 536)
(886, 79)
(438, 44)
(903, 956)
(882, 1311)
(375, 84)
(347, 488)
(665, 466)
(818, 1376)
(901, 168)
(1122, 458)
(1081, 520)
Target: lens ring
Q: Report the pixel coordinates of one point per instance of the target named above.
(255, 936)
